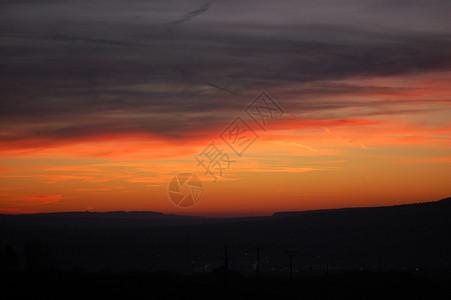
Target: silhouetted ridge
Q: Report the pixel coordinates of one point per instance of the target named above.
(432, 204)
(446, 201)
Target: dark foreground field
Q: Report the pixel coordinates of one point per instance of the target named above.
(398, 252)
(164, 285)
(406, 237)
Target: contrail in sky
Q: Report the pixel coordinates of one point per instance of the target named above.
(342, 139)
(189, 15)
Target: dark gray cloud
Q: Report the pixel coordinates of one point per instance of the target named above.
(72, 68)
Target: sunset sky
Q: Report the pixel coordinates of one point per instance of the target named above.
(103, 102)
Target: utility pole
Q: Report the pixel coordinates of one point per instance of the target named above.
(290, 253)
(188, 253)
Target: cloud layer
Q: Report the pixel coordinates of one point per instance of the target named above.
(72, 69)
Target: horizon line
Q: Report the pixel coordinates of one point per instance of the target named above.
(225, 215)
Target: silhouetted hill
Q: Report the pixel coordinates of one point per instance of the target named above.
(111, 219)
(411, 237)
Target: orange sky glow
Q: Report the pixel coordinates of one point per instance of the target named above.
(391, 144)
